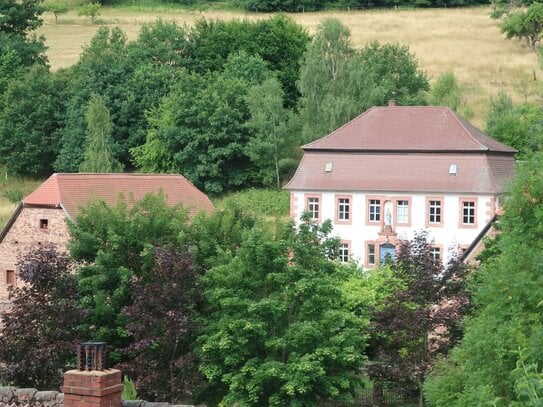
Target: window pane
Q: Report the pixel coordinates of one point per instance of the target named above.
(313, 208)
(435, 212)
(375, 210)
(371, 254)
(343, 209)
(402, 211)
(468, 213)
(344, 252)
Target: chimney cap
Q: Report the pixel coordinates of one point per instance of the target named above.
(393, 102)
(92, 356)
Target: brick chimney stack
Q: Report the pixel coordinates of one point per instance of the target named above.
(92, 384)
(392, 102)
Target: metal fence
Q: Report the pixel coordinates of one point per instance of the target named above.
(389, 398)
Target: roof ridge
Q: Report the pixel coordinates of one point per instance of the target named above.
(118, 174)
(58, 188)
(463, 123)
(340, 128)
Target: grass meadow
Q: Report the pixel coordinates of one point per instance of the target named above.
(465, 41)
(12, 189)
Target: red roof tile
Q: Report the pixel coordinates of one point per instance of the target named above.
(408, 128)
(71, 191)
(403, 172)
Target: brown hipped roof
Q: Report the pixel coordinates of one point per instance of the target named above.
(402, 172)
(406, 149)
(408, 128)
(72, 191)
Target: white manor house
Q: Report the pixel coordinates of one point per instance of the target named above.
(395, 170)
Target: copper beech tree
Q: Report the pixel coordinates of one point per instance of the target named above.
(39, 333)
(419, 321)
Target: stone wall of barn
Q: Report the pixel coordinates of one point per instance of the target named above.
(32, 227)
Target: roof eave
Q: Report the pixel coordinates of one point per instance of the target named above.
(11, 221)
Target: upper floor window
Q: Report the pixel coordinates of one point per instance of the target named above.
(10, 277)
(344, 252)
(313, 207)
(375, 210)
(402, 211)
(468, 213)
(44, 224)
(434, 211)
(343, 209)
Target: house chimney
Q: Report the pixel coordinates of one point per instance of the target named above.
(92, 385)
(393, 102)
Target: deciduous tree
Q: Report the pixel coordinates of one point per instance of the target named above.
(56, 7)
(525, 24)
(200, 128)
(280, 330)
(20, 48)
(272, 148)
(31, 118)
(506, 328)
(116, 242)
(519, 126)
(338, 82)
(98, 156)
(448, 91)
(163, 320)
(420, 320)
(102, 69)
(91, 10)
(39, 333)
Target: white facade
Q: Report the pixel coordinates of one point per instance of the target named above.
(367, 221)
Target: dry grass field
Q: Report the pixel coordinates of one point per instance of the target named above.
(465, 41)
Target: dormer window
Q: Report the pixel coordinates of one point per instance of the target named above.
(453, 169)
(44, 224)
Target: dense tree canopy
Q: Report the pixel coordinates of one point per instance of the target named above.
(338, 82)
(19, 46)
(31, 118)
(519, 126)
(505, 333)
(116, 244)
(163, 320)
(312, 5)
(200, 128)
(280, 330)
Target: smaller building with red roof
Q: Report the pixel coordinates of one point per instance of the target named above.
(396, 170)
(41, 216)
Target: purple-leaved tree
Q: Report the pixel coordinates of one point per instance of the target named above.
(418, 321)
(39, 333)
(163, 322)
